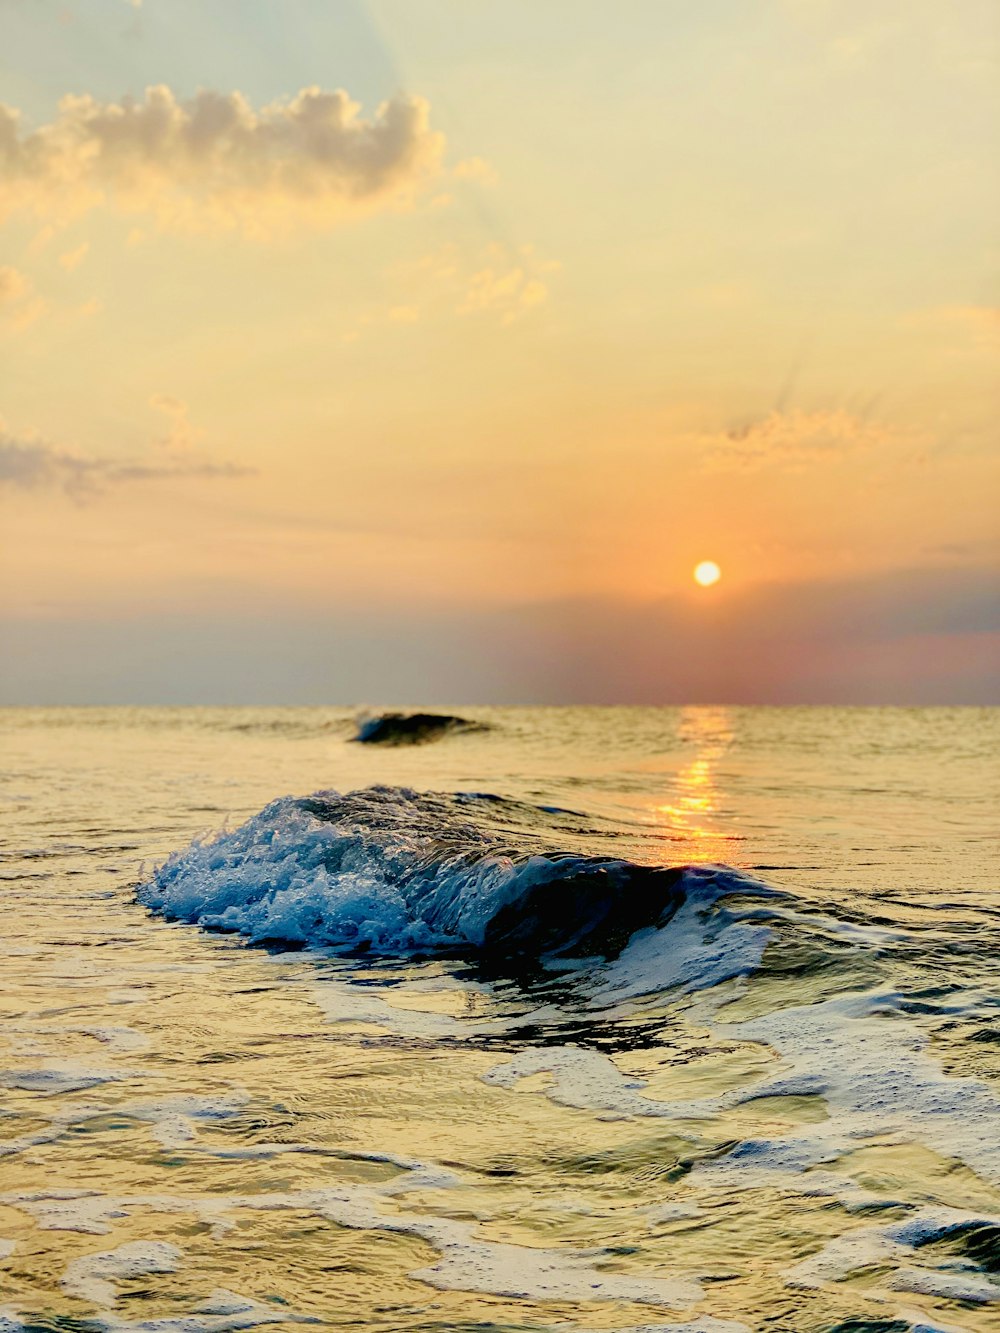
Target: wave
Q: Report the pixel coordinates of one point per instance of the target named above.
(412, 728)
(389, 870)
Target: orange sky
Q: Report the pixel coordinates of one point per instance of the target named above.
(543, 309)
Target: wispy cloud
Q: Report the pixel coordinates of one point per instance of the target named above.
(508, 292)
(475, 169)
(181, 436)
(963, 327)
(503, 281)
(214, 161)
(19, 305)
(30, 463)
(72, 259)
(13, 285)
(791, 440)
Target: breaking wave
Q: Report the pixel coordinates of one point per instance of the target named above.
(389, 870)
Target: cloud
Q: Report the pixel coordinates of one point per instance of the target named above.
(212, 161)
(791, 440)
(475, 169)
(30, 463)
(41, 239)
(13, 285)
(501, 281)
(509, 292)
(181, 436)
(18, 303)
(72, 259)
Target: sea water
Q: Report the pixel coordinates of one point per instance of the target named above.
(567, 1019)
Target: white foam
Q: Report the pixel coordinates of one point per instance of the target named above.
(92, 1278)
(27, 1047)
(92, 1213)
(117, 1039)
(894, 1243)
(466, 1262)
(343, 1003)
(868, 1063)
(59, 1122)
(470, 1264)
(673, 1212)
(175, 1119)
(285, 874)
(69, 1210)
(583, 1079)
(61, 1076)
(130, 994)
(708, 944)
(518, 1272)
(972, 1286)
(878, 1082)
(120, 1038)
(707, 1324)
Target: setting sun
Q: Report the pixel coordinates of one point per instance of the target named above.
(707, 573)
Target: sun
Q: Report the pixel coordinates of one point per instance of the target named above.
(707, 573)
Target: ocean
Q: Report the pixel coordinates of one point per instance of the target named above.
(555, 1018)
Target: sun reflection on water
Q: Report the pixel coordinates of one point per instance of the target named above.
(694, 812)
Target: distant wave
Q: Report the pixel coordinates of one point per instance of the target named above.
(389, 870)
(412, 728)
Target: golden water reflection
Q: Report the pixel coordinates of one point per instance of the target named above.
(695, 813)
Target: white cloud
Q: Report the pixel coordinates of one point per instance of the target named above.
(213, 161)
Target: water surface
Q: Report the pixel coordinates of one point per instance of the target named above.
(773, 1106)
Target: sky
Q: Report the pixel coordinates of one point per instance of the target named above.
(416, 351)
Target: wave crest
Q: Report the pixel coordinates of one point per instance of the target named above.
(390, 870)
(412, 728)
